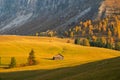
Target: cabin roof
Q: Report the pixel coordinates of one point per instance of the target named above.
(58, 55)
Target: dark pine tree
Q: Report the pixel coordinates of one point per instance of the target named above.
(77, 41)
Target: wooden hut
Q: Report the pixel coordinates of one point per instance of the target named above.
(58, 57)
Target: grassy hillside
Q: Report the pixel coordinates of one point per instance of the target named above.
(80, 62)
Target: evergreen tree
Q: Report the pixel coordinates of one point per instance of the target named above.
(98, 43)
(31, 58)
(117, 46)
(77, 41)
(13, 62)
(109, 45)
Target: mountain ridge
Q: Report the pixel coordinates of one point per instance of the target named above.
(43, 15)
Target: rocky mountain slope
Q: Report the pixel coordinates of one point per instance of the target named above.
(25, 17)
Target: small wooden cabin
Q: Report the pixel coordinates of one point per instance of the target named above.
(58, 57)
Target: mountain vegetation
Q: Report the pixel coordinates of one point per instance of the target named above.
(100, 33)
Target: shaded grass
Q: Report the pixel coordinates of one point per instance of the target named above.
(99, 70)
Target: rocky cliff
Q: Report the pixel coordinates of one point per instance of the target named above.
(26, 17)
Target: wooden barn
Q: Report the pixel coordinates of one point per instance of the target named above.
(58, 57)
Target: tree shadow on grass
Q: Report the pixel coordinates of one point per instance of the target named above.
(48, 58)
(108, 69)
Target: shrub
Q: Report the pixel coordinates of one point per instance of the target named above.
(68, 41)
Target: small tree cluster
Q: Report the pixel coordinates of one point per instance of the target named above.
(98, 42)
(49, 33)
(84, 42)
(103, 42)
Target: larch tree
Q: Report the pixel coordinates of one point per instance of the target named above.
(109, 33)
(110, 43)
(118, 28)
(86, 42)
(90, 32)
(83, 33)
(71, 34)
(103, 41)
(37, 34)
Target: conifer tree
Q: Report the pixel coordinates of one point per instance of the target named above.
(31, 58)
(77, 41)
(13, 62)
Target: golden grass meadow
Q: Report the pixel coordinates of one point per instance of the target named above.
(80, 62)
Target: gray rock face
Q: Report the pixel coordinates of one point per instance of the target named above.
(30, 16)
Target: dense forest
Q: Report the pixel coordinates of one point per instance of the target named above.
(100, 33)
